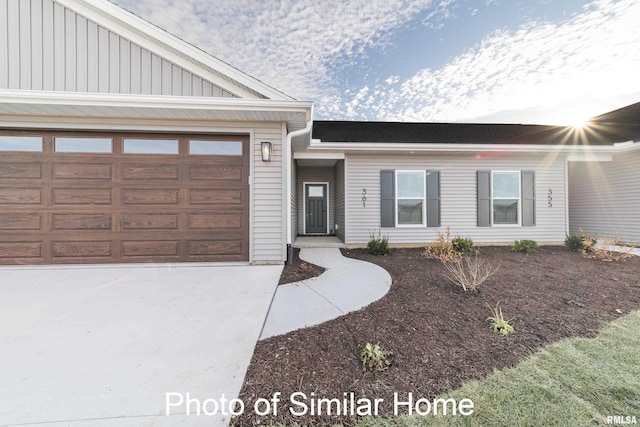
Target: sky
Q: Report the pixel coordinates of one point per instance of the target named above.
(480, 61)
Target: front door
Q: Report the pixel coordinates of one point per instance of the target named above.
(316, 209)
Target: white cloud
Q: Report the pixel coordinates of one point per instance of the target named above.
(595, 55)
(292, 45)
(302, 46)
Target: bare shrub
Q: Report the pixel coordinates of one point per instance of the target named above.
(442, 248)
(469, 272)
(605, 251)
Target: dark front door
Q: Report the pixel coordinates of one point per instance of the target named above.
(316, 208)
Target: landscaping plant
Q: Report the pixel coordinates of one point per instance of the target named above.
(573, 242)
(442, 248)
(374, 358)
(499, 324)
(527, 246)
(378, 245)
(469, 272)
(604, 252)
(462, 245)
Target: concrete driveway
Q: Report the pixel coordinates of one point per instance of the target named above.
(102, 346)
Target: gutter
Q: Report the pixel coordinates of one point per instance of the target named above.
(288, 159)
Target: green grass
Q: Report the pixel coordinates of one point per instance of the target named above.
(575, 382)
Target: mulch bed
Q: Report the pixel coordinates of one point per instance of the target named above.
(438, 333)
(299, 270)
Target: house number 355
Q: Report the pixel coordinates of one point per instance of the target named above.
(550, 198)
(364, 197)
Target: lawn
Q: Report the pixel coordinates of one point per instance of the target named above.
(439, 336)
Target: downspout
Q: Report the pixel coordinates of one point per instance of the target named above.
(289, 159)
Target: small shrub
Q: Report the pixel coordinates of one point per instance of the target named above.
(374, 358)
(442, 248)
(587, 243)
(573, 242)
(527, 246)
(378, 245)
(499, 324)
(462, 245)
(469, 272)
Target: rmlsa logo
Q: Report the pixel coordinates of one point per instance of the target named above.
(621, 419)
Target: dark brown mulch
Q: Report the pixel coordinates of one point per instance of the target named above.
(437, 332)
(299, 270)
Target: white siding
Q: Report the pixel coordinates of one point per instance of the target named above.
(44, 46)
(339, 199)
(458, 197)
(268, 197)
(604, 197)
(294, 199)
(315, 174)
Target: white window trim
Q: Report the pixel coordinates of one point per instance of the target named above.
(424, 199)
(519, 206)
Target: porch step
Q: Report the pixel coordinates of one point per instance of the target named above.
(318, 242)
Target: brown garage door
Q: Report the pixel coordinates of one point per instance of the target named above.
(93, 198)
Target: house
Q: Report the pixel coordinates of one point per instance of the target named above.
(493, 182)
(123, 143)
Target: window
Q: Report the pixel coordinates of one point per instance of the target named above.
(150, 146)
(506, 198)
(505, 191)
(82, 145)
(220, 148)
(410, 200)
(20, 143)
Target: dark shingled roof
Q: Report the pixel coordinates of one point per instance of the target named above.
(616, 126)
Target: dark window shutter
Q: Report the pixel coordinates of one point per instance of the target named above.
(528, 198)
(484, 198)
(433, 199)
(387, 198)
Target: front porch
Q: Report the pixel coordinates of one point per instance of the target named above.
(306, 242)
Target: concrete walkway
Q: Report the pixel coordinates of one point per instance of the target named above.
(347, 285)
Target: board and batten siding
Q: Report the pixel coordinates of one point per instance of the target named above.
(458, 198)
(339, 199)
(316, 174)
(604, 197)
(268, 210)
(45, 46)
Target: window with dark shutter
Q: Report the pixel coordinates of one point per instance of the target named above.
(484, 198)
(528, 199)
(433, 199)
(387, 198)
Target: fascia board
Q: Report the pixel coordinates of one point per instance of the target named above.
(452, 148)
(151, 101)
(113, 17)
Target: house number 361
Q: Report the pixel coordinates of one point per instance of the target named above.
(364, 197)
(550, 198)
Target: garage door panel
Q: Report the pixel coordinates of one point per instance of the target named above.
(158, 171)
(20, 221)
(215, 173)
(150, 248)
(215, 248)
(208, 196)
(83, 249)
(63, 196)
(149, 221)
(20, 170)
(16, 250)
(20, 196)
(81, 222)
(150, 197)
(212, 221)
(100, 172)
